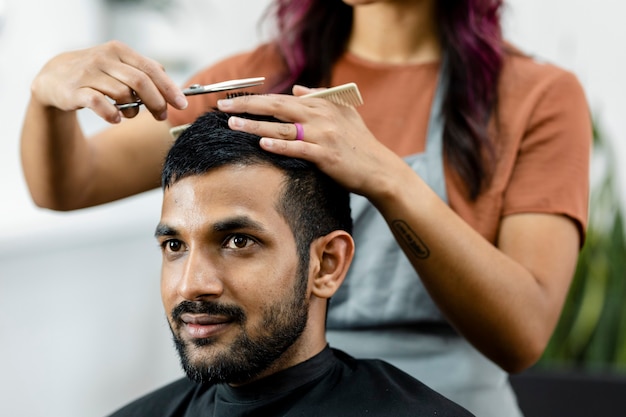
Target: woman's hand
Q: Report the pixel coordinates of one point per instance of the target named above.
(335, 137)
(98, 77)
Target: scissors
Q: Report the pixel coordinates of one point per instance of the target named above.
(194, 89)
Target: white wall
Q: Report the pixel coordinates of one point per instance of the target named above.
(82, 330)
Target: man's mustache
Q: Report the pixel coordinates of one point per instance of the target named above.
(233, 313)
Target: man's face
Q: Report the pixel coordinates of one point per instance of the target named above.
(231, 282)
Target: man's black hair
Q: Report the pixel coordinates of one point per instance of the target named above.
(312, 203)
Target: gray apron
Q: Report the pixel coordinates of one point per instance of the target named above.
(382, 310)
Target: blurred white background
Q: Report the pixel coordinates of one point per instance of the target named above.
(82, 329)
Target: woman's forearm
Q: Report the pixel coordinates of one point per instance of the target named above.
(55, 157)
(504, 299)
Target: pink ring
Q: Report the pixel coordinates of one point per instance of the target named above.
(299, 131)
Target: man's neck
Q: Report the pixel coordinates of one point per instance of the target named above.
(286, 379)
(396, 33)
(302, 350)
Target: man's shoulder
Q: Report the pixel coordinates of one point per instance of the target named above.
(380, 388)
(163, 402)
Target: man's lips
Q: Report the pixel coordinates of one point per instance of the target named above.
(203, 325)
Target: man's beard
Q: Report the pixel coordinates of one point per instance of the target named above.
(247, 356)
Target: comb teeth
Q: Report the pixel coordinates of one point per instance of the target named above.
(239, 94)
(345, 95)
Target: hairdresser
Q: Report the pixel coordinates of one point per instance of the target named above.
(468, 163)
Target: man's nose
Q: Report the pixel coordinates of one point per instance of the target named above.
(200, 277)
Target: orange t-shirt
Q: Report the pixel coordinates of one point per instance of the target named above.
(543, 136)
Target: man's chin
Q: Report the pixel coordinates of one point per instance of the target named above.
(200, 343)
(204, 352)
(216, 368)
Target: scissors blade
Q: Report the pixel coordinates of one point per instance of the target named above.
(223, 86)
(209, 88)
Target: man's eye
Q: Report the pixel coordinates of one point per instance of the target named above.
(238, 242)
(173, 245)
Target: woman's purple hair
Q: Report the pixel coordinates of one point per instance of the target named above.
(290, 16)
(313, 34)
(472, 40)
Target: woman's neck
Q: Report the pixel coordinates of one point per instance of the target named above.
(396, 32)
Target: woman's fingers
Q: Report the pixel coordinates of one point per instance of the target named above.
(148, 81)
(97, 102)
(294, 149)
(283, 107)
(103, 75)
(151, 73)
(136, 77)
(287, 131)
(332, 136)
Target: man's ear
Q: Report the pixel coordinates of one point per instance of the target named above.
(331, 256)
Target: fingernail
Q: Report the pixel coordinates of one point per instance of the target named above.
(163, 116)
(181, 102)
(224, 103)
(267, 143)
(236, 121)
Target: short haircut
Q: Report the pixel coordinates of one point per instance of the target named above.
(312, 203)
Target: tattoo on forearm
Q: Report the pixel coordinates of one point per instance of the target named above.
(408, 236)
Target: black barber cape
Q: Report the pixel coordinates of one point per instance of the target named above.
(331, 383)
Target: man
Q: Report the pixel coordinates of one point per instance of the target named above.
(254, 245)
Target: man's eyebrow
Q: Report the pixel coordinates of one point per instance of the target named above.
(164, 230)
(236, 223)
(226, 225)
